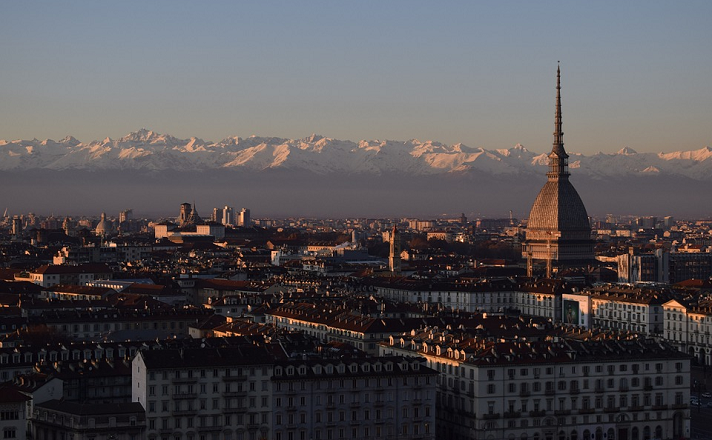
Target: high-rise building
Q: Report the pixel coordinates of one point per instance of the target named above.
(125, 216)
(228, 216)
(558, 231)
(245, 218)
(217, 216)
(16, 228)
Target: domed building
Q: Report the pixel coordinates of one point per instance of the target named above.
(103, 227)
(558, 231)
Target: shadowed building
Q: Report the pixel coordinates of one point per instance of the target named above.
(558, 231)
(394, 259)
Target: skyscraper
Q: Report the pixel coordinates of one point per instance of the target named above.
(228, 216)
(245, 218)
(558, 231)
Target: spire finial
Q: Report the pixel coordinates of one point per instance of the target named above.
(558, 157)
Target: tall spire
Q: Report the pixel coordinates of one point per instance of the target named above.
(558, 125)
(558, 159)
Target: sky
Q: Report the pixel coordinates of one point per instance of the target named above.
(634, 73)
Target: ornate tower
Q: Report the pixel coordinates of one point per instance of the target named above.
(558, 231)
(394, 258)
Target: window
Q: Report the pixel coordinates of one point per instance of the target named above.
(9, 433)
(491, 388)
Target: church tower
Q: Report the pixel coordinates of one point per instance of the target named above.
(558, 231)
(394, 258)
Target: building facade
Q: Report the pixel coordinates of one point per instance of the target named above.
(554, 389)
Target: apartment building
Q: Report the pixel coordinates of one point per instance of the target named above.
(197, 393)
(364, 398)
(577, 387)
(688, 324)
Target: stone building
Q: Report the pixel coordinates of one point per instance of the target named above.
(558, 232)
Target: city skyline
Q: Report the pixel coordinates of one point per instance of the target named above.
(460, 72)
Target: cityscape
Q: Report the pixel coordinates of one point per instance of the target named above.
(270, 287)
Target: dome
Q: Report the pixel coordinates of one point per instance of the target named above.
(103, 226)
(558, 207)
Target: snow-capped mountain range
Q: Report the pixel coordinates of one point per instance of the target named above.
(147, 150)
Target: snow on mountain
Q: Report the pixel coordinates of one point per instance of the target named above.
(147, 150)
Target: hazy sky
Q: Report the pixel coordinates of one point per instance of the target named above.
(634, 73)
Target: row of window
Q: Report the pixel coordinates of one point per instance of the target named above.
(364, 432)
(221, 420)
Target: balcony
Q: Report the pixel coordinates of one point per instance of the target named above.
(233, 410)
(623, 388)
(185, 396)
(562, 412)
(524, 393)
(492, 416)
(679, 406)
(587, 410)
(541, 413)
(184, 412)
(512, 414)
(233, 393)
(648, 388)
(550, 392)
(612, 409)
(599, 389)
(659, 407)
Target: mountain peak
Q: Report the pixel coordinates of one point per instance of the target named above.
(141, 135)
(313, 138)
(627, 151)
